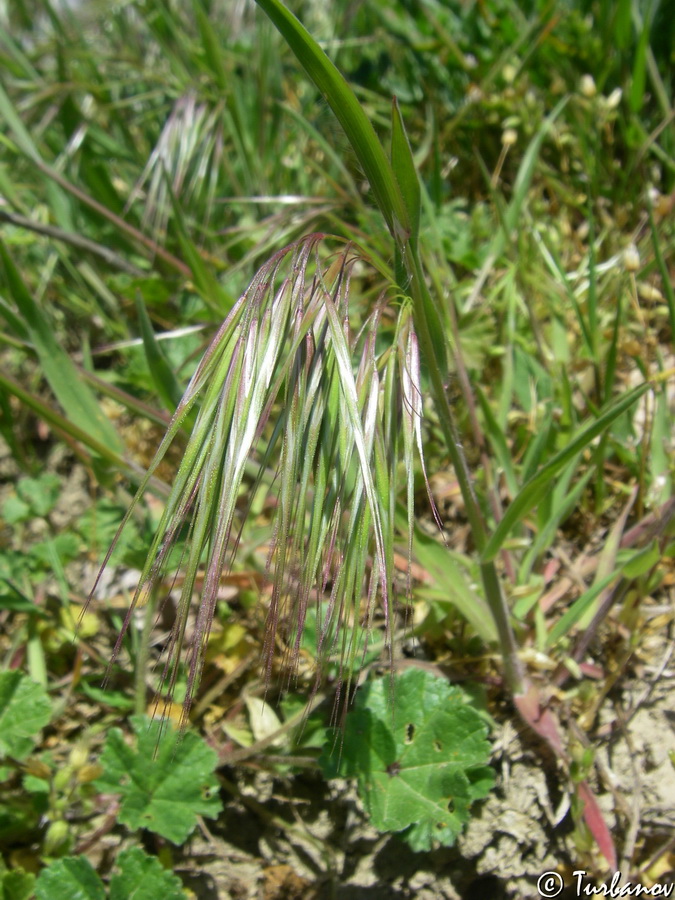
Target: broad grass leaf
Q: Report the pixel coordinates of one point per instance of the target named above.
(143, 877)
(71, 878)
(419, 766)
(453, 583)
(164, 783)
(66, 426)
(25, 709)
(632, 566)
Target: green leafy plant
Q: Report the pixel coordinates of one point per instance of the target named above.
(15, 884)
(138, 875)
(34, 499)
(419, 753)
(25, 708)
(163, 786)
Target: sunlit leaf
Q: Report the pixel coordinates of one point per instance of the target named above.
(164, 784)
(419, 765)
(25, 709)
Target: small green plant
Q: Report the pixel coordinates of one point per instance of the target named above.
(163, 786)
(16, 884)
(32, 501)
(25, 709)
(419, 753)
(137, 875)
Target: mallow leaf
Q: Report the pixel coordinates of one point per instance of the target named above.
(25, 709)
(16, 884)
(165, 781)
(70, 878)
(143, 877)
(419, 755)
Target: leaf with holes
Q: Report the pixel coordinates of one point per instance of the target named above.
(420, 761)
(165, 782)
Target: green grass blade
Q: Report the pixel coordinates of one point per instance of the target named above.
(342, 100)
(166, 383)
(403, 164)
(526, 170)
(497, 438)
(78, 402)
(65, 427)
(16, 126)
(569, 619)
(639, 75)
(539, 483)
(205, 281)
(452, 584)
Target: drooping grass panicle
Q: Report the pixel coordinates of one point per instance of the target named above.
(186, 157)
(319, 417)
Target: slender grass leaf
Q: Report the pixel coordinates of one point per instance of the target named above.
(453, 585)
(563, 502)
(570, 618)
(18, 129)
(498, 440)
(342, 100)
(77, 400)
(70, 430)
(639, 75)
(209, 289)
(526, 169)
(666, 281)
(163, 377)
(641, 562)
(212, 52)
(403, 164)
(540, 483)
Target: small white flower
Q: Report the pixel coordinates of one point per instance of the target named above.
(582, 231)
(509, 137)
(631, 258)
(587, 86)
(649, 293)
(614, 98)
(654, 196)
